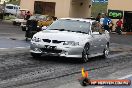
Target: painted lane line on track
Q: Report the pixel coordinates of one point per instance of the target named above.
(23, 47)
(127, 76)
(4, 48)
(8, 33)
(15, 48)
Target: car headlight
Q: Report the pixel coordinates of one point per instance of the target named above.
(36, 39)
(72, 43)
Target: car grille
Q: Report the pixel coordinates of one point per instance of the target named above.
(56, 41)
(47, 40)
(53, 41)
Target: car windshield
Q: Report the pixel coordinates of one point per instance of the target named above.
(70, 25)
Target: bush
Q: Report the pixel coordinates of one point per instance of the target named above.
(10, 17)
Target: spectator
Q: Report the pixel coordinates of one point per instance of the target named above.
(111, 26)
(27, 15)
(54, 18)
(106, 22)
(119, 24)
(102, 18)
(98, 17)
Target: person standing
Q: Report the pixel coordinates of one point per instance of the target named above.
(98, 17)
(102, 18)
(27, 15)
(119, 24)
(106, 23)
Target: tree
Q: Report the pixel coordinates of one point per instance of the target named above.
(15, 2)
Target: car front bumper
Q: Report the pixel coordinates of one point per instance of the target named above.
(57, 50)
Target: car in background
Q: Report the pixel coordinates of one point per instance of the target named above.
(11, 9)
(43, 20)
(33, 17)
(20, 18)
(71, 37)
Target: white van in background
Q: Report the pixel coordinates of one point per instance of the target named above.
(11, 9)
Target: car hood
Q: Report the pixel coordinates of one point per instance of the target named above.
(61, 35)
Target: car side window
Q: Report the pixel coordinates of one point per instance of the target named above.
(9, 7)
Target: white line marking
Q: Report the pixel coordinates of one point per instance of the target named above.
(3, 48)
(127, 76)
(23, 47)
(16, 48)
(8, 33)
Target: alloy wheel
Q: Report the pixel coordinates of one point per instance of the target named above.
(106, 51)
(85, 53)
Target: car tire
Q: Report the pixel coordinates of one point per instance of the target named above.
(14, 23)
(35, 55)
(106, 51)
(85, 53)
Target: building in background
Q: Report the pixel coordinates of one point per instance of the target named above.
(59, 8)
(121, 9)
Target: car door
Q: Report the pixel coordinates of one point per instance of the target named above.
(97, 38)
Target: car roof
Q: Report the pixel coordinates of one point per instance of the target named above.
(80, 19)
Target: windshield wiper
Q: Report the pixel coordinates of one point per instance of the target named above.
(60, 29)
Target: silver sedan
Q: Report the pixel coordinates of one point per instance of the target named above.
(71, 37)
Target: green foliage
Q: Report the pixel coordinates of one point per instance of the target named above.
(15, 2)
(98, 8)
(9, 17)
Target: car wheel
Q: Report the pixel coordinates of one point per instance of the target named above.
(106, 51)
(14, 23)
(35, 55)
(85, 53)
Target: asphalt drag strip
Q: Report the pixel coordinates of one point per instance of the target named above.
(56, 71)
(21, 69)
(12, 43)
